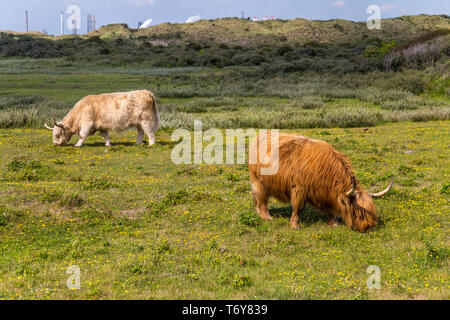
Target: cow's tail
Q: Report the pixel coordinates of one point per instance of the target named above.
(156, 112)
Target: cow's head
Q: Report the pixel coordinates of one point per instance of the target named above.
(61, 133)
(357, 207)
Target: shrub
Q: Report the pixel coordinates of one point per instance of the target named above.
(348, 118)
(157, 208)
(94, 183)
(399, 105)
(28, 170)
(248, 218)
(311, 102)
(445, 189)
(241, 281)
(175, 198)
(3, 219)
(51, 196)
(73, 200)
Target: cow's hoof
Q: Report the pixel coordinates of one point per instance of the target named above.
(266, 217)
(295, 226)
(333, 223)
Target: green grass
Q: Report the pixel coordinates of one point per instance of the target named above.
(141, 227)
(225, 98)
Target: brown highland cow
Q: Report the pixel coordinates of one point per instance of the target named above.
(311, 171)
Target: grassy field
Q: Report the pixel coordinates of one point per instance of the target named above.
(32, 92)
(139, 226)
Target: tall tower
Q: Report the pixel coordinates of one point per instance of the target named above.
(26, 20)
(62, 23)
(91, 20)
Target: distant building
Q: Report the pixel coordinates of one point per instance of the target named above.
(91, 20)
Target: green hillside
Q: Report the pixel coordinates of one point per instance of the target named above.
(243, 31)
(278, 46)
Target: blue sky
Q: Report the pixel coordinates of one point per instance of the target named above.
(45, 14)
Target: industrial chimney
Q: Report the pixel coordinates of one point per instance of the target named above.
(62, 23)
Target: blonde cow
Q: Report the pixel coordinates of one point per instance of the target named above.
(109, 112)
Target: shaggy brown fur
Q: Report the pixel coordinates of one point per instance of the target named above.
(109, 112)
(310, 171)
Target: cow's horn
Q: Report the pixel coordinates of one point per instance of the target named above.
(350, 192)
(382, 193)
(57, 124)
(48, 127)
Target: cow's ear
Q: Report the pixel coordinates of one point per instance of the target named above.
(357, 194)
(58, 124)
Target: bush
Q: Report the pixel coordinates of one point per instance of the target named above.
(311, 102)
(248, 218)
(21, 169)
(176, 198)
(94, 183)
(349, 118)
(241, 281)
(73, 200)
(445, 189)
(3, 219)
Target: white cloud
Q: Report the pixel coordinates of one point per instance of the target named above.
(192, 19)
(387, 7)
(339, 3)
(146, 24)
(139, 3)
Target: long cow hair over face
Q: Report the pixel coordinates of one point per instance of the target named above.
(312, 171)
